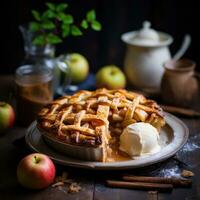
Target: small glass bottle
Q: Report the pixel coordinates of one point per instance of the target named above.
(34, 89)
(45, 56)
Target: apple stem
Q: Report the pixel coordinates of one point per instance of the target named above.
(112, 73)
(36, 159)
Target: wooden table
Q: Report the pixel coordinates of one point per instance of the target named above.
(13, 148)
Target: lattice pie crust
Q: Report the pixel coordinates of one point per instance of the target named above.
(97, 118)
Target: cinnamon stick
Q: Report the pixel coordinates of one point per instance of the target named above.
(163, 180)
(140, 185)
(181, 111)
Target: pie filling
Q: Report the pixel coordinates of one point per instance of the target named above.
(97, 119)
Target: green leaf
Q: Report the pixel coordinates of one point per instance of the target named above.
(61, 7)
(34, 26)
(36, 15)
(39, 40)
(84, 24)
(48, 25)
(91, 15)
(51, 6)
(96, 26)
(61, 16)
(67, 19)
(75, 31)
(48, 14)
(65, 30)
(53, 39)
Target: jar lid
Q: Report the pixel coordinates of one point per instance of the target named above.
(147, 35)
(33, 74)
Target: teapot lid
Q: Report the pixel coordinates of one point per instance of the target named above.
(147, 37)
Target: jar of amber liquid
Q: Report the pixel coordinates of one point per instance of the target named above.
(34, 89)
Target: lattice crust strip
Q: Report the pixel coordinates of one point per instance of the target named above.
(87, 118)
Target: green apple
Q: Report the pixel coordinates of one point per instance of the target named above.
(79, 67)
(7, 116)
(110, 77)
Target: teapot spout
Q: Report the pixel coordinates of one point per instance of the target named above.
(185, 45)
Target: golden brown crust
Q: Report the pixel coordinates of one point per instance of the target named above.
(81, 118)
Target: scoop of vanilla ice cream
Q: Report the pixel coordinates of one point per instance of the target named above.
(139, 138)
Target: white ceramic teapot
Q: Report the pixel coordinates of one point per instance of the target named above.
(147, 51)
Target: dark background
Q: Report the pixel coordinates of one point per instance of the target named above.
(117, 16)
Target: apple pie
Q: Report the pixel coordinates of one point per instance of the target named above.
(96, 119)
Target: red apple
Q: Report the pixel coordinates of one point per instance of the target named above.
(7, 116)
(36, 171)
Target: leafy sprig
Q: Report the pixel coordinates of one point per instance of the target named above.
(55, 24)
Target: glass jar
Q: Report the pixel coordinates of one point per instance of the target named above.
(36, 54)
(34, 89)
(45, 56)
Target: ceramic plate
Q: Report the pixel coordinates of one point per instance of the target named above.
(172, 137)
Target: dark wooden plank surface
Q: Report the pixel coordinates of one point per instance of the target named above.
(12, 149)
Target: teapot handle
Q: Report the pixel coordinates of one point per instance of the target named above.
(186, 43)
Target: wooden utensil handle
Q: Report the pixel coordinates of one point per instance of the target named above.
(181, 111)
(140, 185)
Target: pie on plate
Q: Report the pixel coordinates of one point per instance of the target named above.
(94, 120)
